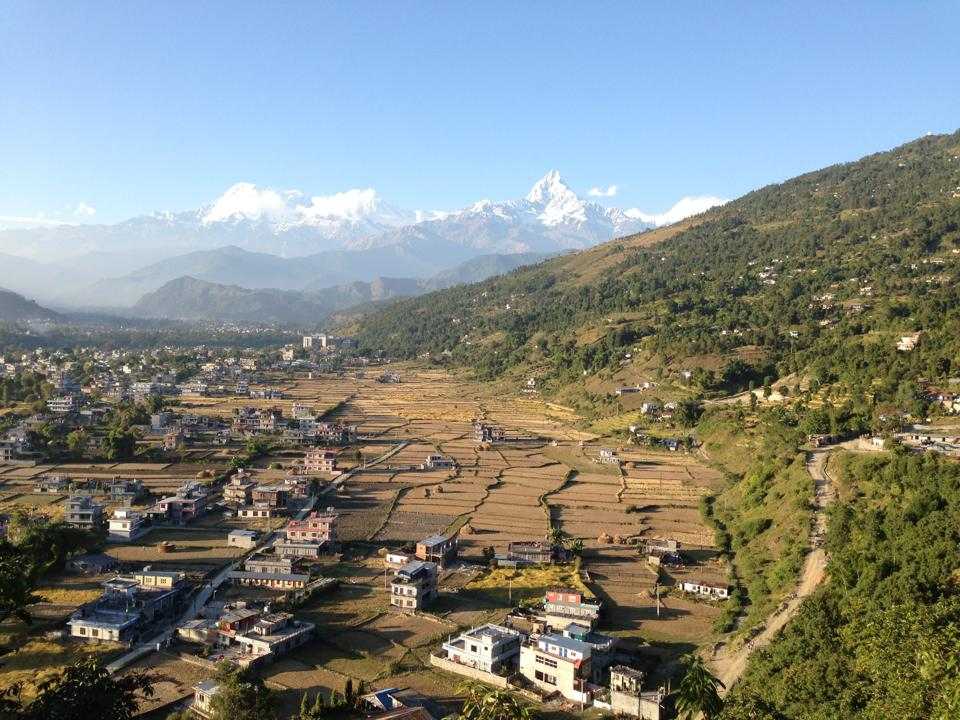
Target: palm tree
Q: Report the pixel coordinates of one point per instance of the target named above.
(698, 692)
(556, 537)
(484, 703)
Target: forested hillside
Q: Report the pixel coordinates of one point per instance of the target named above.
(823, 271)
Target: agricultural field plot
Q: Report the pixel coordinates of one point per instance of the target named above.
(626, 585)
(194, 549)
(364, 503)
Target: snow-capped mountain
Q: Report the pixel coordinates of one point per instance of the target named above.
(351, 233)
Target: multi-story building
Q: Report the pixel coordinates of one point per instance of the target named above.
(239, 491)
(563, 606)
(414, 586)
(64, 404)
(275, 496)
(320, 460)
(272, 635)
(293, 549)
(125, 491)
(491, 648)
(189, 502)
(127, 606)
(203, 694)
(319, 527)
(56, 484)
(271, 572)
(80, 511)
(127, 525)
(436, 461)
(557, 663)
(439, 549)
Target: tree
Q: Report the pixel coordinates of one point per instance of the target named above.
(84, 691)
(698, 691)
(242, 697)
(485, 703)
(556, 536)
(576, 547)
(119, 444)
(17, 582)
(77, 441)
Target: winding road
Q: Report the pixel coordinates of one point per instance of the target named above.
(729, 663)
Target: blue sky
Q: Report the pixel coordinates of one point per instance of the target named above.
(129, 107)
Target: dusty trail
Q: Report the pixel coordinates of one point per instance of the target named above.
(729, 664)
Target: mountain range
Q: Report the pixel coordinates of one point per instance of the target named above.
(341, 238)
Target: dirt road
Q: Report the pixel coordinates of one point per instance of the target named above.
(729, 663)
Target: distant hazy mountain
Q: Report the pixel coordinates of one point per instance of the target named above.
(190, 298)
(16, 308)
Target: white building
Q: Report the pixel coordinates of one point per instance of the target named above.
(127, 525)
(489, 648)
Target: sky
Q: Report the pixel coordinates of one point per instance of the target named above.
(113, 109)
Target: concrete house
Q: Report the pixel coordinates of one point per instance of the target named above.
(439, 549)
(318, 527)
(80, 511)
(414, 586)
(271, 572)
(713, 591)
(317, 460)
(628, 698)
(563, 606)
(203, 694)
(126, 525)
(491, 648)
(555, 663)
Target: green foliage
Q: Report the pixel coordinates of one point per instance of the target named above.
(242, 697)
(486, 703)
(882, 638)
(83, 691)
(699, 692)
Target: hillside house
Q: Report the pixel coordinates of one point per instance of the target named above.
(438, 462)
(188, 503)
(271, 572)
(203, 694)
(245, 539)
(318, 527)
(239, 491)
(274, 496)
(562, 606)
(712, 591)
(55, 484)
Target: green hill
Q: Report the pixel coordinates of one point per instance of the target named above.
(821, 272)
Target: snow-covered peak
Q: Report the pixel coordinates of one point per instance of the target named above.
(549, 187)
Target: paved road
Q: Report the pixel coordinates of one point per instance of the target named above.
(206, 592)
(729, 663)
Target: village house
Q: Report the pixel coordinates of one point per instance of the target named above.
(414, 586)
(334, 433)
(55, 484)
(245, 539)
(203, 694)
(64, 404)
(602, 647)
(125, 491)
(555, 663)
(239, 491)
(274, 496)
(438, 462)
(174, 440)
(271, 572)
(126, 525)
(80, 511)
(712, 591)
(318, 527)
(317, 460)
(256, 511)
(608, 457)
(490, 648)
(563, 606)
(439, 549)
(907, 343)
(189, 502)
(627, 696)
(127, 605)
(271, 636)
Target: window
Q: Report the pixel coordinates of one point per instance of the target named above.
(546, 661)
(543, 677)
